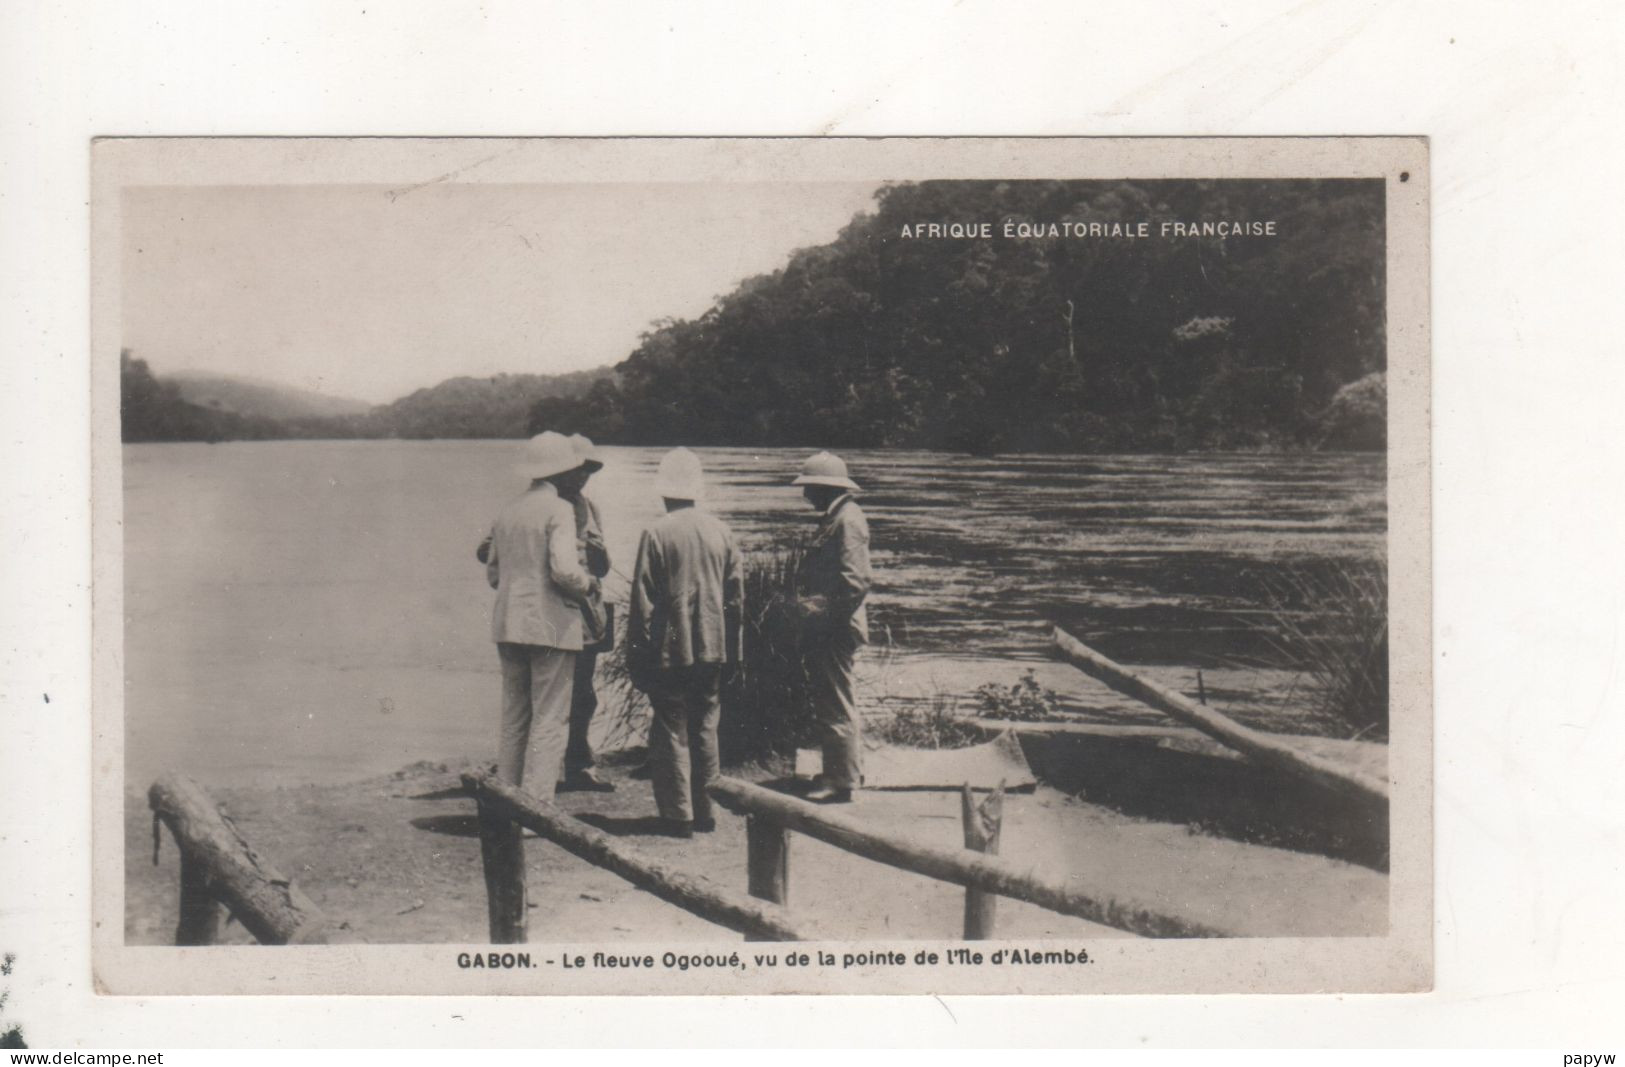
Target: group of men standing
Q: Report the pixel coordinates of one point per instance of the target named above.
(546, 557)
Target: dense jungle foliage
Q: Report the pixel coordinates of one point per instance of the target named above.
(1065, 343)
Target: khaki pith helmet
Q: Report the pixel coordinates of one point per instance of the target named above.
(548, 454)
(825, 468)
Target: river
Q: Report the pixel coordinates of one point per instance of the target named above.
(312, 610)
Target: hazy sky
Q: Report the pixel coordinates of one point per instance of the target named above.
(369, 292)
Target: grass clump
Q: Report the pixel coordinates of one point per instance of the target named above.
(1331, 623)
(933, 724)
(1027, 700)
(937, 723)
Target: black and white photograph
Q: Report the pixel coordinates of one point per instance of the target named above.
(732, 566)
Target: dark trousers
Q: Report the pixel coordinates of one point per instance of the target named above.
(583, 705)
(683, 751)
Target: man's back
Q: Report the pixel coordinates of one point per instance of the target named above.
(539, 578)
(688, 592)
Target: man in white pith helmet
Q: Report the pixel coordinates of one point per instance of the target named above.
(534, 564)
(685, 624)
(831, 586)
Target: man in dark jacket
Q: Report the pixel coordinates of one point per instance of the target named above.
(832, 585)
(684, 626)
(579, 773)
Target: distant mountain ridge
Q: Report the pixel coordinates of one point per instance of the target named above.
(197, 406)
(244, 395)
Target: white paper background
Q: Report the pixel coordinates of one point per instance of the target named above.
(1523, 107)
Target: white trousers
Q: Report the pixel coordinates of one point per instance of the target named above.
(536, 686)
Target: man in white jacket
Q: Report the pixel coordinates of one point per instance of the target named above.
(534, 564)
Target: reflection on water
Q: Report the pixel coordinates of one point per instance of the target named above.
(314, 608)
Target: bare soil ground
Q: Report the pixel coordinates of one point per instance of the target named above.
(396, 860)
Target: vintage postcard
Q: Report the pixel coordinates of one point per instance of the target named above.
(740, 566)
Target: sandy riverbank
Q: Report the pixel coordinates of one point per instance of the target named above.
(394, 860)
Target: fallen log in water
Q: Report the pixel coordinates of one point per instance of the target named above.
(218, 865)
(973, 870)
(1269, 750)
(696, 894)
(1176, 774)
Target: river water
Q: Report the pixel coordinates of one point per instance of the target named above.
(312, 610)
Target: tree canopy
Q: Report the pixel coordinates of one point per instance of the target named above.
(1045, 343)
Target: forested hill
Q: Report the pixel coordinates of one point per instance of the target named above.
(1078, 339)
(498, 406)
(1049, 343)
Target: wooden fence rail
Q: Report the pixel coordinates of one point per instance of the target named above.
(219, 869)
(1371, 794)
(501, 803)
(771, 814)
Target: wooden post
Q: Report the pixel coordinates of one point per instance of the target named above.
(767, 859)
(982, 825)
(218, 863)
(696, 894)
(502, 848)
(1086, 894)
(1268, 750)
(200, 912)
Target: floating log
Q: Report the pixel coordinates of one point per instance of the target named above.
(1266, 749)
(983, 822)
(987, 873)
(218, 864)
(696, 894)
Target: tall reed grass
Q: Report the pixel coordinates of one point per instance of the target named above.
(1331, 622)
(766, 710)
